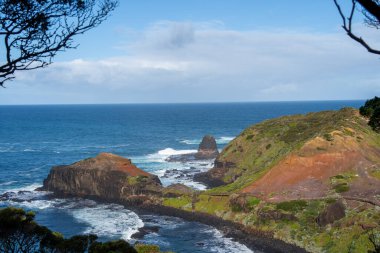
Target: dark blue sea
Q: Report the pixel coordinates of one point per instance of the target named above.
(35, 138)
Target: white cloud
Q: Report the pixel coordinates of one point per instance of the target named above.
(196, 62)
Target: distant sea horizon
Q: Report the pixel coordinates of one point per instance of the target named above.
(190, 103)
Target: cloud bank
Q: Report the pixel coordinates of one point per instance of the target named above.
(205, 62)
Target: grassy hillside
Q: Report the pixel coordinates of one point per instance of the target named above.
(260, 147)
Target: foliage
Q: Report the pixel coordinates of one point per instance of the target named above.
(371, 109)
(119, 246)
(142, 248)
(342, 187)
(33, 32)
(374, 121)
(20, 233)
(292, 206)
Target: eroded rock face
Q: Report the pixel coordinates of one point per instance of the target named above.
(106, 176)
(332, 213)
(207, 148)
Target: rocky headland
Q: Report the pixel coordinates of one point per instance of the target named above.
(292, 184)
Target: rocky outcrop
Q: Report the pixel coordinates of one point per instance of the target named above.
(105, 176)
(215, 176)
(207, 150)
(333, 212)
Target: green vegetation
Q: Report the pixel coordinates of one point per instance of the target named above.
(292, 206)
(371, 109)
(374, 121)
(143, 248)
(340, 183)
(342, 187)
(20, 233)
(375, 172)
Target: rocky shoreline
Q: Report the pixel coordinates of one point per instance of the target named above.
(255, 240)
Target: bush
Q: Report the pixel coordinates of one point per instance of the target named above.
(343, 187)
(142, 248)
(374, 121)
(292, 206)
(369, 107)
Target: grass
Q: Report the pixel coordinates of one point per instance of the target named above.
(183, 202)
(342, 187)
(292, 206)
(375, 173)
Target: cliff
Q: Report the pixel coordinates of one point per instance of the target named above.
(107, 176)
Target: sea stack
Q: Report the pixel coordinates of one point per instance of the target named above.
(207, 148)
(106, 176)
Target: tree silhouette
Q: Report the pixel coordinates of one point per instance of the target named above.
(371, 12)
(32, 32)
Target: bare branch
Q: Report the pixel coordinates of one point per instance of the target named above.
(371, 12)
(33, 32)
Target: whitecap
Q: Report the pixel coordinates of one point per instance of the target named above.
(221, 244)
(106, 220)
(27, 188)
(220, 140)
(8, 183)
(224, 139)
(191, 142)
(162, 155)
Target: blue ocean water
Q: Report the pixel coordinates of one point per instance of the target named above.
(34, 138)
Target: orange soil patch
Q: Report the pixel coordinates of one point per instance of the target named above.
(306, 174)
(108, 161)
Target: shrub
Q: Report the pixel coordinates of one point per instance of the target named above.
(142, 248)
(292, 206)
(374, 121)
(369, 107)
(343, 187)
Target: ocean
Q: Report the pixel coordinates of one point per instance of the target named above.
(33, 138)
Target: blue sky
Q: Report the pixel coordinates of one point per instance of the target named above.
(165, 51)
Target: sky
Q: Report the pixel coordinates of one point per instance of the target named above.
(172, 51)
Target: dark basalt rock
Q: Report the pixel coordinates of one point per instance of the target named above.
(207, 149)
(144, 231)
(332, 213)
(214, 177)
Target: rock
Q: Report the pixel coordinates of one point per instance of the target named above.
(333, 212)
(215, 176)
(144, 231)
(211, 178)
(106, 176)
(207, 149)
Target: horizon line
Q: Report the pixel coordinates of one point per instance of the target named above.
(189, 103)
